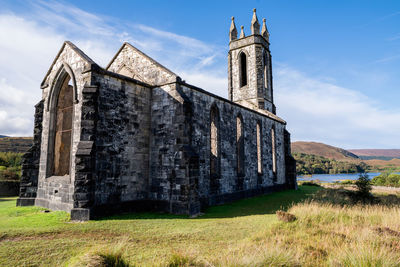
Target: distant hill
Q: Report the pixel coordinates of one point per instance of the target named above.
(2, 136)
(322, 150)
(385, 154)
(15, 144)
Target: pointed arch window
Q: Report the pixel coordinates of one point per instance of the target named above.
(266, 71)
(214, 149)
(243, 69)
(61, 128)
(240, 150)
(259, 148)
(273, 145)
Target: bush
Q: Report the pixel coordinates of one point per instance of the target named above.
(10, 166)
(363, 184)
(393, 180)
(9, 175)
(387, 179)
(310, 183)
(10, 159)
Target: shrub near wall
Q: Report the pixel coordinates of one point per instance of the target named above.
(10, 172)
(9, 188)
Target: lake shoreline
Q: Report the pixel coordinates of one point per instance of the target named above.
(331, 178)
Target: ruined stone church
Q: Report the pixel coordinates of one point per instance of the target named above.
(134, 136)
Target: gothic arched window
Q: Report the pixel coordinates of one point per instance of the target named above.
(240, 150)
(214, 149)
(273, 145)
(243, 69)
(259, 148)
(62, 127)
(266, 67)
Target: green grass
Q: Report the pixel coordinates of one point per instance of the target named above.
(243, 233)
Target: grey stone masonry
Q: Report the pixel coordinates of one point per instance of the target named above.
(257, 69)
(135, 137)
(30, 162)
(133, 63)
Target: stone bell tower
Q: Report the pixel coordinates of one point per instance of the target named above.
(249, 66)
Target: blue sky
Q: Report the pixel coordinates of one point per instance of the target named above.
(336, 64)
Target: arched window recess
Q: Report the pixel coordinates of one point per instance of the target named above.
(60, 105)
(62, 73)
(215, 153)
(243, 68)
(240, 145)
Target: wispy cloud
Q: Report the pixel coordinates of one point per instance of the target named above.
(394, 14)
(379, 19)
(394, 38)
(387, 59)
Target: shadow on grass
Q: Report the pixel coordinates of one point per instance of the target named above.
(8, 198)
(265, 204)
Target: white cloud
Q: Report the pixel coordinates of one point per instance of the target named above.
(14, 115)
(324, 112)
(208, 81)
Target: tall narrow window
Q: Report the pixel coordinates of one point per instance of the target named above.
(63, 129)
(265, 71)
(273, 141)
(243, 69)
(214, 149)
(240, 150)
(259, 149)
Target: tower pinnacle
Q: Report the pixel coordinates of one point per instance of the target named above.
(241, 32)
(264, 31)
(232, 31)
(255, 25)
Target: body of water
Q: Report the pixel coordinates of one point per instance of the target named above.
(329, 178)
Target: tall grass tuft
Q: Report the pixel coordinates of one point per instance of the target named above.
(180, 260)
(261, 255)
(364, 256)
(102, 257)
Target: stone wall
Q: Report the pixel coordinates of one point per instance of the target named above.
(291, 175)
(30, 162)
(122, 140)
(85, 157)
(174, 165)
(228, 112)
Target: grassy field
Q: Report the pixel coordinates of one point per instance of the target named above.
(329, 230)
